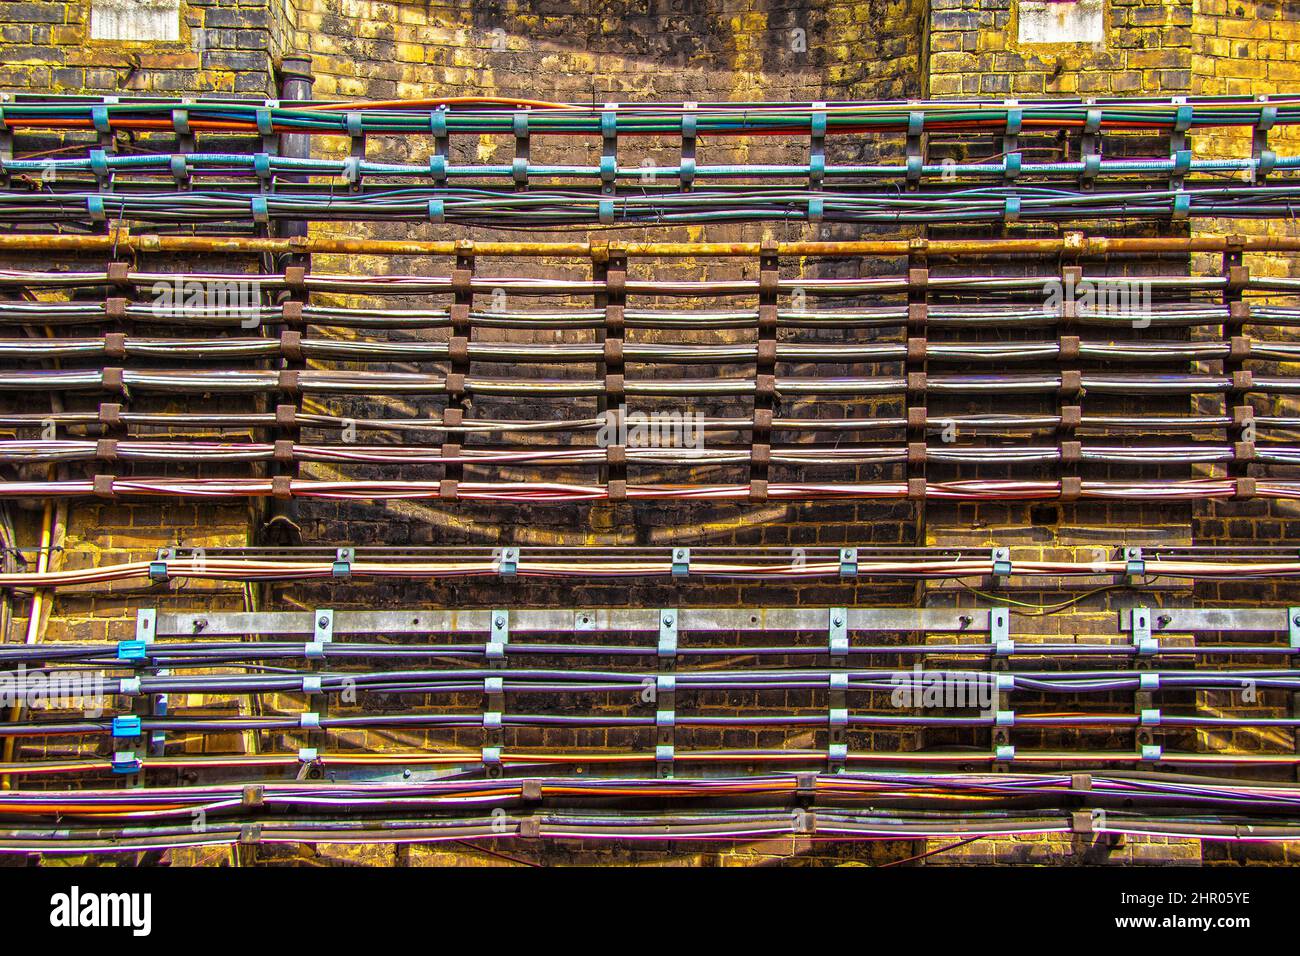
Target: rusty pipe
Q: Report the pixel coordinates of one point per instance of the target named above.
(122, 240)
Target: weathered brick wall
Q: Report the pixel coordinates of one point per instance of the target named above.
(977, 47)
(1245, 48)
(713, 49)
(226, 46)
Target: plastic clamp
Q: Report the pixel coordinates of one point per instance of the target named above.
(126, 726)
(126, 761)
(132, 651)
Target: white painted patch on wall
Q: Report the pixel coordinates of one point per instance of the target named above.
(135, 20)
(1062, 21)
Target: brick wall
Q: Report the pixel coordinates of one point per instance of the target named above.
(223, 47)
(714, 49)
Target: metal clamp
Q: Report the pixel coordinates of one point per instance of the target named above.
(848, 563)
(839, 636)
(498, 638)
(146, 624)
(508, 565)
(1000, 632)
(1146, 645)
(1001, 558)
(158, 566)
(681, 562)
(343, 558)
(1135, 565)
(667, 649)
